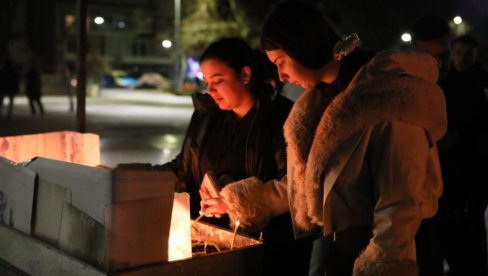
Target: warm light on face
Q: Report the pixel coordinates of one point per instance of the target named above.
(292, 71)
(224, 85)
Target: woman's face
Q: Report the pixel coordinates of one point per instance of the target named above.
(463, 56)
(291, 71)
(227, 88)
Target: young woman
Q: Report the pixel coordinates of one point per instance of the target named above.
(236, 132)
(362, 157)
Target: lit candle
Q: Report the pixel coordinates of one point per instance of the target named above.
(199, 217)
(234, 235)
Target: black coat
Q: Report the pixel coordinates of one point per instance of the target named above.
(265, 154)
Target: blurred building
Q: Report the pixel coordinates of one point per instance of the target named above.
(123, 35)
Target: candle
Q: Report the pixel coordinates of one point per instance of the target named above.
(199, 217)
(234, 234)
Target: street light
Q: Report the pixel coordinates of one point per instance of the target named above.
(99, 20)
(457, 20)
(121, 24)
(166, 43)
(406, 37)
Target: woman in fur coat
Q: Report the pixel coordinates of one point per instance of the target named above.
(362, 162)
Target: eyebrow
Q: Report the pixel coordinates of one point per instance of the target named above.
(278, 57)
(214, 75)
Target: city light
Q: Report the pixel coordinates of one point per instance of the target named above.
(406, 37)
(99, 20)
(121, 24)
(166, 43)
(457, 20)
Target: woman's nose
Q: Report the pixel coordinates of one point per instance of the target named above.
(210, 88)
(283, 76)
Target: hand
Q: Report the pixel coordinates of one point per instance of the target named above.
(204, 193)
(213, 207)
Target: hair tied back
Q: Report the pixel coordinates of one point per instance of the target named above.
(345, 46)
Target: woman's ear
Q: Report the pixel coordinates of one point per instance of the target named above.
(246, 74)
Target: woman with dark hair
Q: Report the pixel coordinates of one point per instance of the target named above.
(361, 146)
(236, 132)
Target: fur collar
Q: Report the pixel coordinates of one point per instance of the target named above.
(394, 86)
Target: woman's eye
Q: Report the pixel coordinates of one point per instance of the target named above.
(217, 82)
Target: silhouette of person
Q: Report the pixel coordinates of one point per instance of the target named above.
(33, 86)
(466, 192)
(9, 86)
(458, 228)
(65, 74)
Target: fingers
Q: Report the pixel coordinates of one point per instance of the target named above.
(213, 207)
(204, 194)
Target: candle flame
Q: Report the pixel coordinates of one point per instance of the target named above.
(234, 234)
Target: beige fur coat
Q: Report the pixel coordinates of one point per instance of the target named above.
(369, 158)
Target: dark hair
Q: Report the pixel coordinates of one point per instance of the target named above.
(466, 39)
(430, 28)
(301, 31)
(236, 53)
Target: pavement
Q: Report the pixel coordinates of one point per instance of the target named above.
(145, 126)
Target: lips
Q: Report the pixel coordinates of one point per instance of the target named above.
(217, 100)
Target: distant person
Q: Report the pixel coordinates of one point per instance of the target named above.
(467, 190)
(431, 35)
(465, 58)
(463, 155)
(65, 74)
(33, 86)
(9, 86)
(236, 132)
(362, 158)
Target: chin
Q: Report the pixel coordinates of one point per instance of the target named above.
(224, 107)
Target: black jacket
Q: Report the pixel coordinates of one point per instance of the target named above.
(265, 154)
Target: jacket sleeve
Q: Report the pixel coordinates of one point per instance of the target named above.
(182, 164)
(398, 156)
(254, 203)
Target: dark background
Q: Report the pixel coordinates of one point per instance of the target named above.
(38, 27)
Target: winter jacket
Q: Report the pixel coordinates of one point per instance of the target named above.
(368, 157)
(265, 147)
